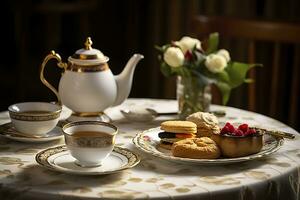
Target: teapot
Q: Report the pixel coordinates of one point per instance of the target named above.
(87, 85)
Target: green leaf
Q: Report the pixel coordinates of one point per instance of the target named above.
(213, 42)
(237, 72)
(249, 80)
(233, 76)
(165, 69)
(163, 48)
(223, 76)
(184, 71)
(159, 48)
(225, 90)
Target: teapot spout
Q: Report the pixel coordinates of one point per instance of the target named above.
(124, 79)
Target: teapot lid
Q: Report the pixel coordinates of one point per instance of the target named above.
(88, 55)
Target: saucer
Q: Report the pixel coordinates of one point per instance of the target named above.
(60, 159)
(8, 131)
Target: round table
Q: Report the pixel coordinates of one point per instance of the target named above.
(271, 177)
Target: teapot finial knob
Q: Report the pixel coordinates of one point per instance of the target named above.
(88, 43)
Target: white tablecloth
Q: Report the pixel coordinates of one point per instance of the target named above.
(272, 177)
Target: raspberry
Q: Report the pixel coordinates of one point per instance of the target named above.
(231, 128)
(251, 131)
(243, 127)
(225, 130)
(238, 132)
(227, 124)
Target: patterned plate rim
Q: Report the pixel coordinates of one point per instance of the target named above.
(139, 138)
(5, 133)
(42, 159)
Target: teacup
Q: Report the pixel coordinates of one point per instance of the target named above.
(90, 142)
(34, 118)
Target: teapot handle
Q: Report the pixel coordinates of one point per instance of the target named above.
(51, 55)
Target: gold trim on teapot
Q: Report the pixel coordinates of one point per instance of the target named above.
(88, 68)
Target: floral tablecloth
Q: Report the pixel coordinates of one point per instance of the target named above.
(272, 177)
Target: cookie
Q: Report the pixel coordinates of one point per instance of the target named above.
(207, 124)
(207, 132)
(179, 127)
(197, 148)
(170, 140)
(165, 145)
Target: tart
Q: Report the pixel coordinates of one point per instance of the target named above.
(238, 142)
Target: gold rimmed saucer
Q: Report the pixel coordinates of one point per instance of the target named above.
(8, 131)
(59, 159)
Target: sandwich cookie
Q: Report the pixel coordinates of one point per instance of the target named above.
(174, 131)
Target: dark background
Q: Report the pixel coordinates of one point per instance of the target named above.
(31, 28)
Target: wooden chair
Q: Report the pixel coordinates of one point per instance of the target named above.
(252, 32)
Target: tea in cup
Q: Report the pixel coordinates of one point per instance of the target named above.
(34, 118)
(90, 142)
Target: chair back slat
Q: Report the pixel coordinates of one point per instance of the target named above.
(252, 72)
(294, 94)
(275, 79)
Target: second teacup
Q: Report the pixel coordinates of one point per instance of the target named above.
(34, 118)
(90, 142)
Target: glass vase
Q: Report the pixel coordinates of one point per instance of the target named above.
(192, 96)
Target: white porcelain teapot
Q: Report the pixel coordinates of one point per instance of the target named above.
(87, 85)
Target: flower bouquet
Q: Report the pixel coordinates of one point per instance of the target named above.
(197, 69)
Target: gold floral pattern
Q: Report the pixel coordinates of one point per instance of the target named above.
(20, 116)
(182, 190)
(167, 185)
(257, 175)
(11, 161)
(82, 190)
(219, 180)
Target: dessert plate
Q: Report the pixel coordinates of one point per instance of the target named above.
(8, 131)
(59, 159)
(148, 141)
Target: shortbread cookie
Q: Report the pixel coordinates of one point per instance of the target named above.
(198, 148)
(179, 127)
(207, 124)
(165, 145)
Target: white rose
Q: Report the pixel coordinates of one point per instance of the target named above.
(215, 63)
(188, 43)
(174, 57)
(225, 54)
